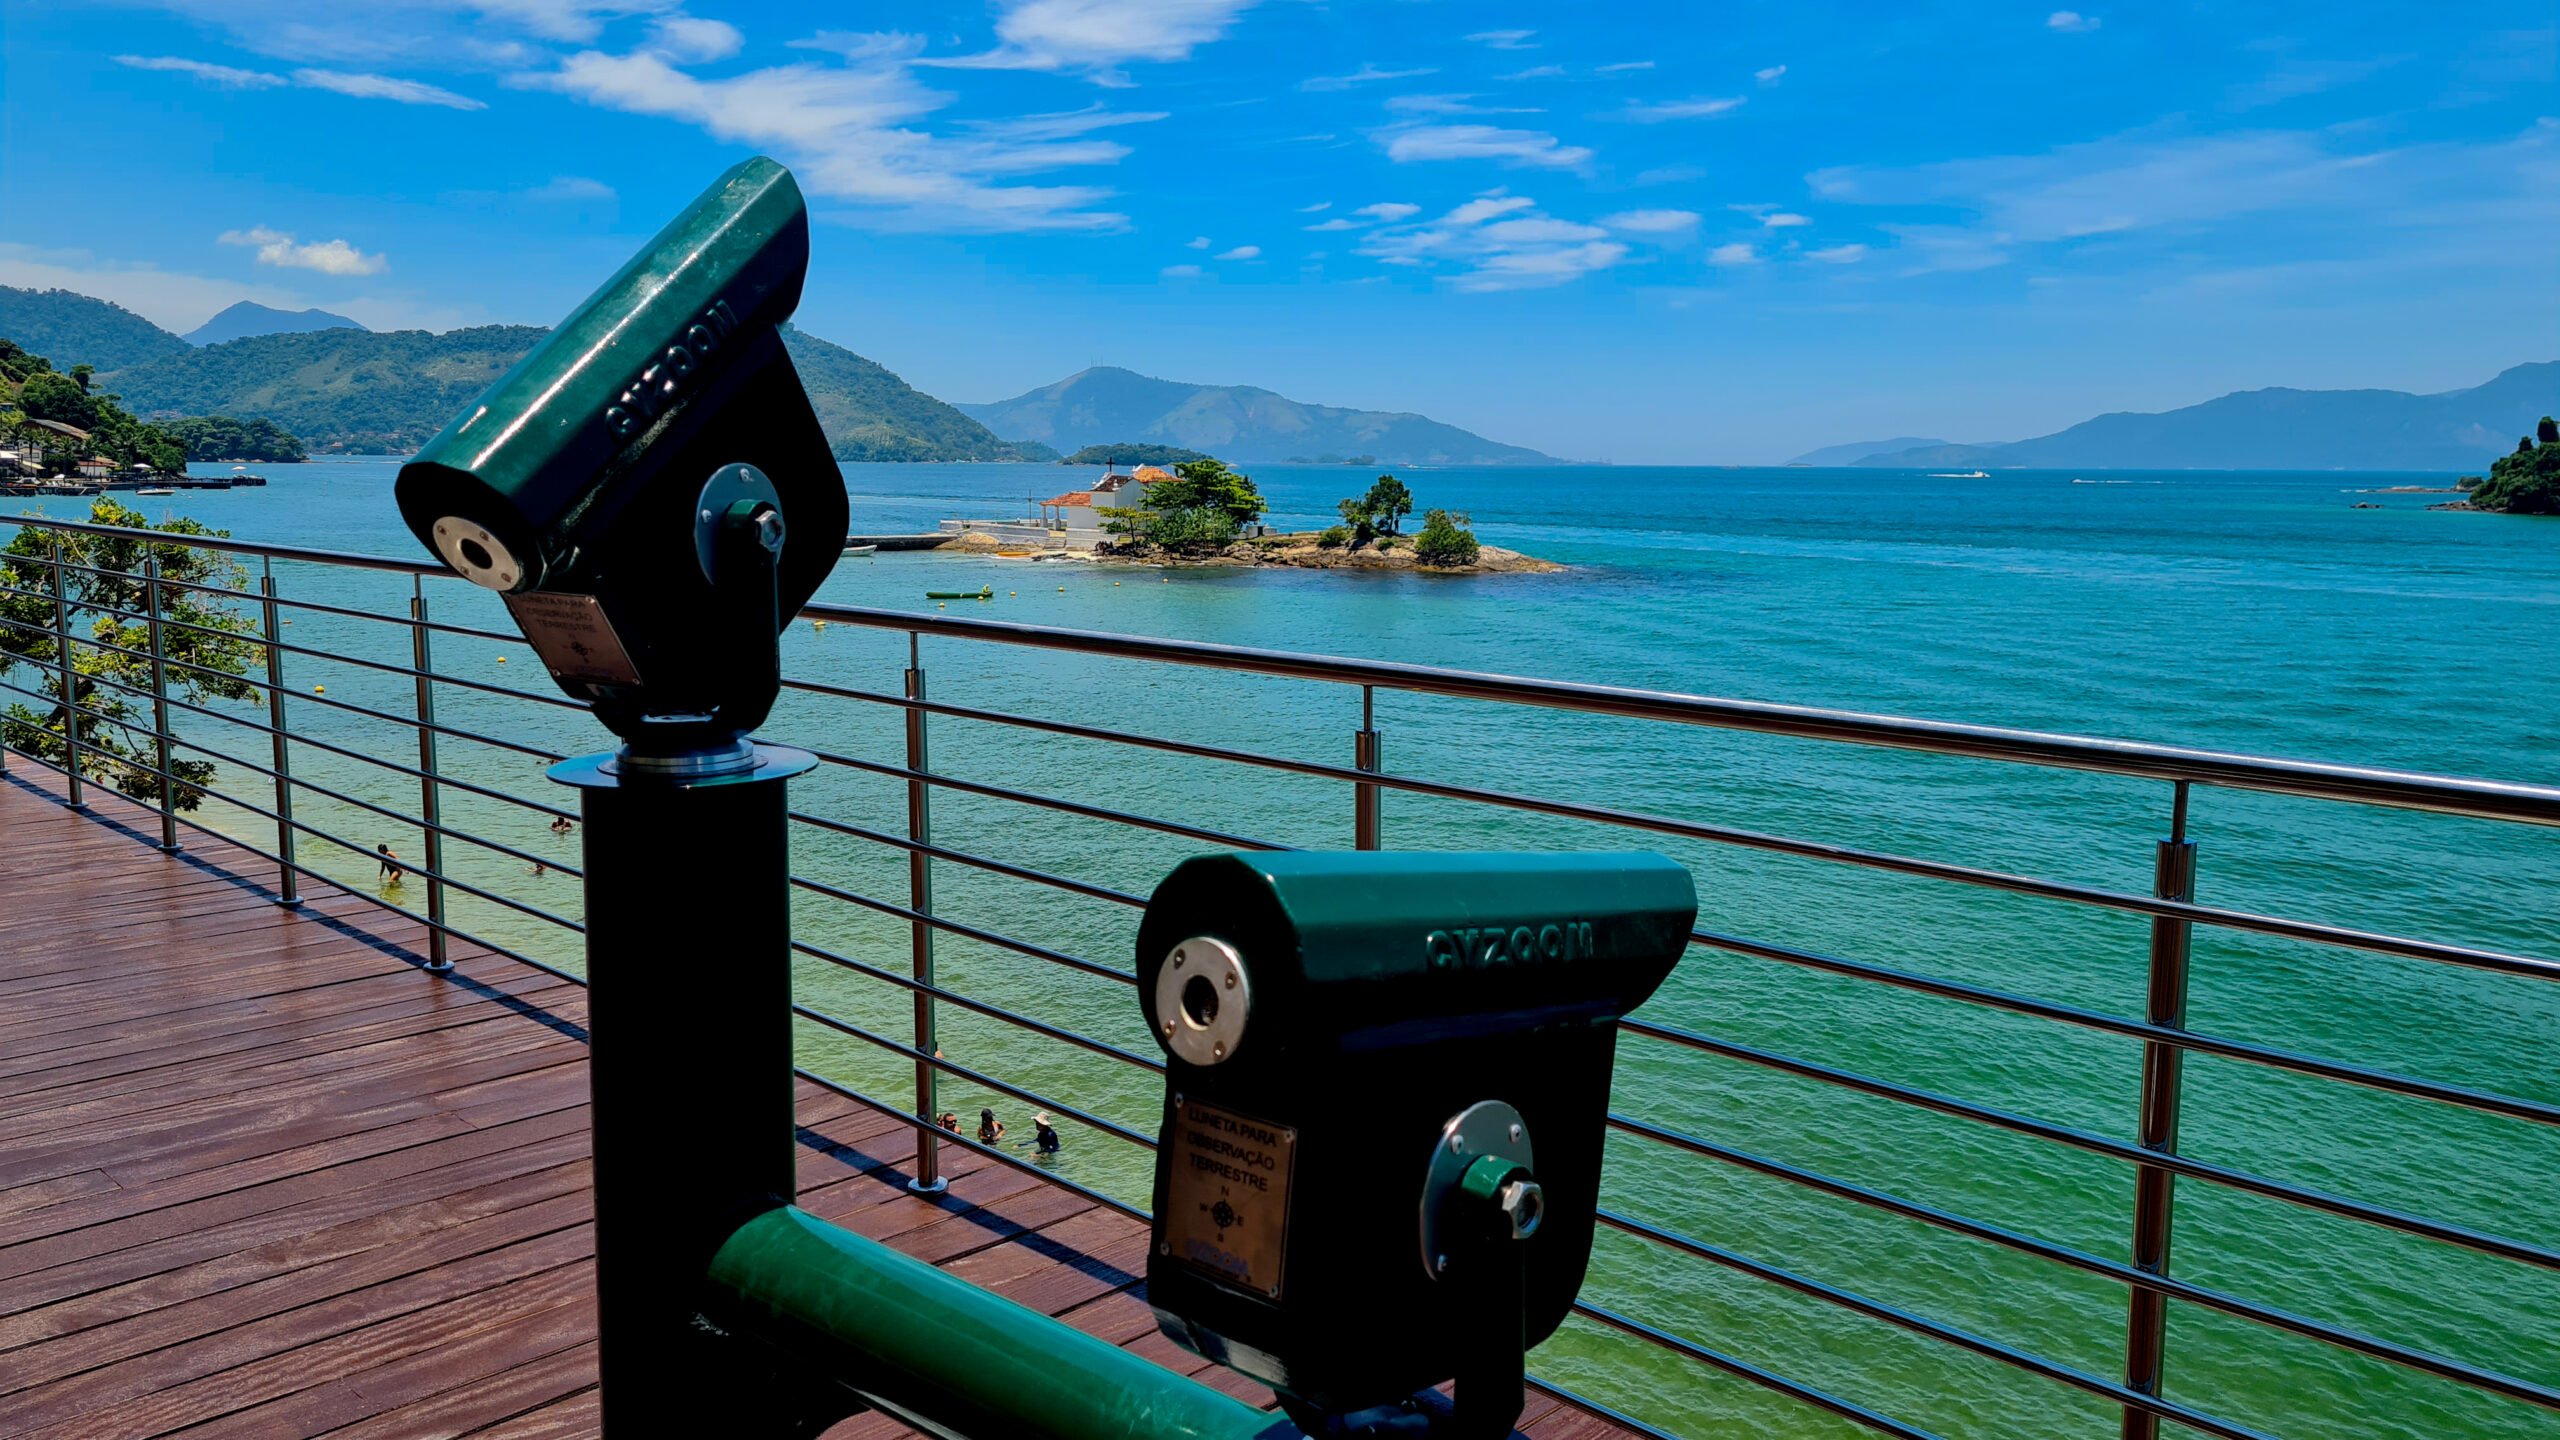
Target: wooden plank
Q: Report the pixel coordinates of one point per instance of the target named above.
(261, 1176)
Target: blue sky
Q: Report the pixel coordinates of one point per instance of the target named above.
(1646, 232)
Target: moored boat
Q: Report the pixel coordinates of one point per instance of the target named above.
(987, 593)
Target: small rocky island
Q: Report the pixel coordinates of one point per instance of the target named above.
(1207, 514)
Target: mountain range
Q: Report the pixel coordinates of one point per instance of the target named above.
(1239, 423)
(387, 392)
(248, 317)
(2276, 429)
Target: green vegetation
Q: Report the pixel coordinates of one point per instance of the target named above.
(211, 647)
(341, 390)
(219, 437)
(389, 392)
(2528, 481)
(1131, 453)
(1201, 508)
(1377, 517)
(1445, 541)
(871, 414)
(1333, 537)
(62, 322)
(31, 389)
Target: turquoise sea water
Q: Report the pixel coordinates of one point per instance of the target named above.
(2253, 612)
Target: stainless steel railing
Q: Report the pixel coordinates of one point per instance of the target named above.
(2170, 909)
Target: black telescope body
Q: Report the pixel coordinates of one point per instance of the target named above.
(594, 482)
(1346, 1034)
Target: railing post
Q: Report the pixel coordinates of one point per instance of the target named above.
(288, 879)
(2154, 1192)
(70, 698)
(928, 1178)
(160, 702)
(1368, 752)
(430, 809)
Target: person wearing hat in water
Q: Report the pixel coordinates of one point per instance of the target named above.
(949, 1120)
(1044, 1134)
(990, 1129)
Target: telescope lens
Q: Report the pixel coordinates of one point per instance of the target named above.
(476, 555)
(1200, 1002)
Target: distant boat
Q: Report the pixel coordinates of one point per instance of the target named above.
(1967, 475)
(988, 593)
(862, 550)
(156, 490)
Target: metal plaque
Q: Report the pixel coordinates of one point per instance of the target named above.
(573, 637)
(1226, 1208)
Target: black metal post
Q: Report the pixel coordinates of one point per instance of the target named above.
(72, 795)
(2163, 1066)
(160, 702)
(1368, 752)
(689, 1062)
(288, 878)
(430, 796)
(928, 1177)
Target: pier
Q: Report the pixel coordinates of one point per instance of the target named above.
(277, 1168)
(262, 1172)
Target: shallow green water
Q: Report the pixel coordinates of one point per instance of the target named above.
(2256, 613)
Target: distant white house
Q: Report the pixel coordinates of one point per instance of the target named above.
(1082, 509)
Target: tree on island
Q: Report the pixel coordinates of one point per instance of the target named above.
(1134, 454)
(2528, 481)
(208, 642)
(1201, 508)
(1379, 512)
(1446, 542)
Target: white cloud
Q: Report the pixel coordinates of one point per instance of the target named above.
(1336, 223)
(2071, 22)
(1099, 35)
(1931, 249)
(1771, 75)
(1241, 252)
(1736, 253)
(1317, 208)
(688, 38)
(571, 188)
(1389, 211)
(851, 132)
(223, 75)
(1838, 254)
(1542, 230)
(362, 86)
(1180, 272)
(1534, 72)
(1652, 222)
(1785, 220)
(1498, 242)
(1196, 242)
(329, 257)
(1505, 39)
(1366, 74)
(1518, 148)
(1655, 112)
(1624, 67)
(1452, 105)
(385, 87)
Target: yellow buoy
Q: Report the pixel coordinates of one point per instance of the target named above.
(319, 689)
(1166, 580)
(1115, 584)
(941, 607)
(502, 659)
(1062, 589)
(821, 624)
(1013, 592)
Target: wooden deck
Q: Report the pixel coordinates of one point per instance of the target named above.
(261, 1176)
